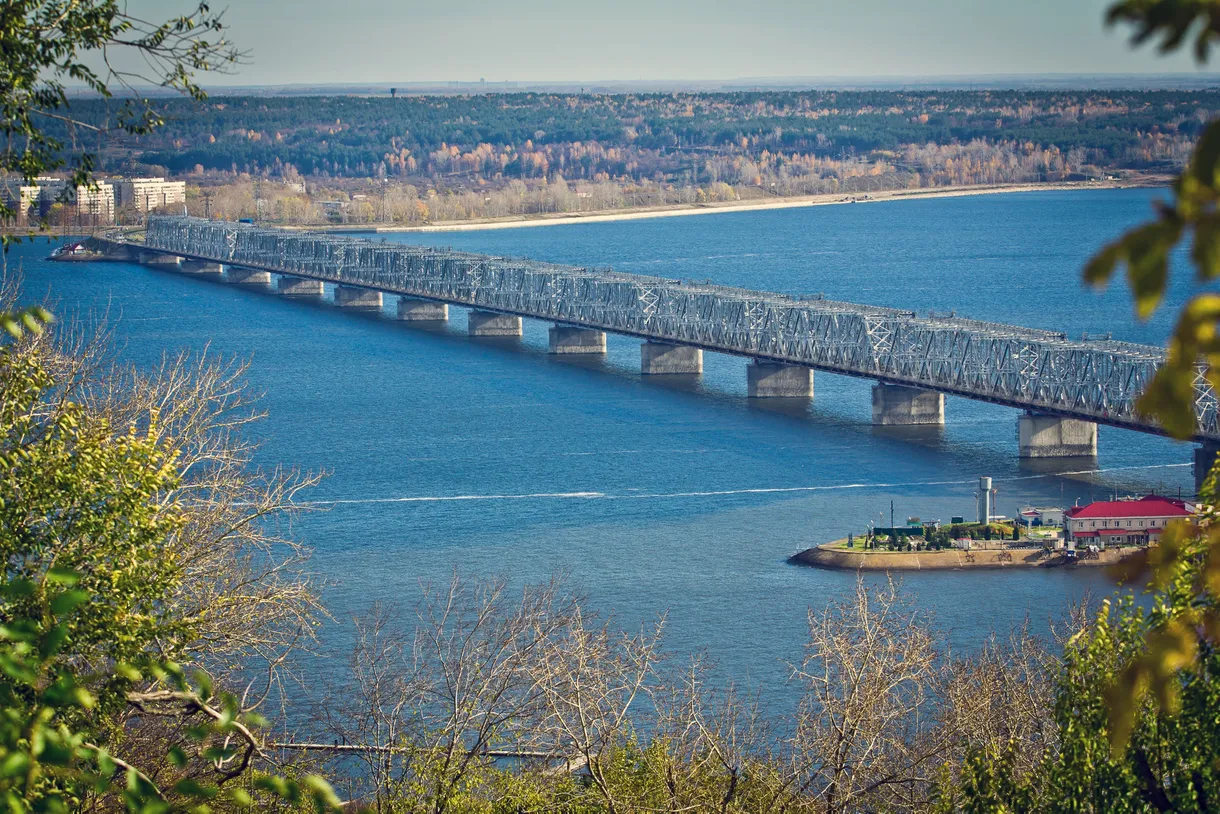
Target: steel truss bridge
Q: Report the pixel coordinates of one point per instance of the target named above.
(1040, 371)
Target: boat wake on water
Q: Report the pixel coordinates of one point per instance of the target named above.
(766, 490)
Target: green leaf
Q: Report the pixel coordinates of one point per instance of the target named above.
(1099, 269)
(324, 796)
(19, 588)
(63, 576)
(1206, 250)
(240, 797)
(1148, 250)
(193, 788)
(1169, 399)
(53, 641)
(204, 685)
(128, 672)
(68, 601)
(1206, 160)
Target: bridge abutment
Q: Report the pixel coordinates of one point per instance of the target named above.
(411, 310)
(357, 298)
(489, 323)
(160, 260)
(896, 405)
(250, 277)
(291, 286)
(1205, 459)
(770, 380)
(201, 268)
(1046, 436)
(658, 358)
(568, 339)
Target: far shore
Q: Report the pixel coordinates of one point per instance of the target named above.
(675, 210)
(834, 556)
(672, 210)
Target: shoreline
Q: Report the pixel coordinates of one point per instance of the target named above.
(679, 210)
(672, 210)
(837, 559)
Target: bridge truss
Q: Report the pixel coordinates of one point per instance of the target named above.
(1042, 371)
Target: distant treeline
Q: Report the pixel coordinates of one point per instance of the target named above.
(690, 138)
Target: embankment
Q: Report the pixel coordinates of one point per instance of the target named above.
(831, 556)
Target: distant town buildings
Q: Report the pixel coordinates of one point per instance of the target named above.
(57, 200)
(23, 200)
(1123, 522)
(147, 194)
(87, 205)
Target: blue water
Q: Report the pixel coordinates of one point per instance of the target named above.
(654, 495)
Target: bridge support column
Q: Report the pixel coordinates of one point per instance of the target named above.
(201, 268)
(1205, 458)
(1045, 436)
(422, 310)
(362, 298)
(160, 259)
(566, 339)
(768, 380)
(250, 277)
(300, 287)
(488, 323)
(657, 358)
(895, 405)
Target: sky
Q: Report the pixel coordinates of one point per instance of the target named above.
(375, 41)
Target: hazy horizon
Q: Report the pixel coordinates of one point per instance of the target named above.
(547, 42)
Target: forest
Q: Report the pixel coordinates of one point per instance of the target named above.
(691, 137)
(422, 159)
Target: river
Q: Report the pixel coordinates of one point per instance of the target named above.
(653, 494)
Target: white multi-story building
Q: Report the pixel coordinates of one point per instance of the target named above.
(1123, 522)
(84, 205)
(23, 200)
(147, 194)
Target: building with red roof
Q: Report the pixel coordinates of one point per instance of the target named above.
(1123, 522)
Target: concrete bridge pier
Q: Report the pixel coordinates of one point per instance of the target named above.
(1046, 436)
(201, 268)
(250, 277)
(291, 286)
(568, 339)
(160, 260)
(896, 405)
(347, 296)
(412, 310)
(1205, 458)
(770, 380)
(658, 358)
(489, 323)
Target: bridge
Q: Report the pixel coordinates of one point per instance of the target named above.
(1064, 387)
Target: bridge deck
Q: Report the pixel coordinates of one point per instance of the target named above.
(1044, 371)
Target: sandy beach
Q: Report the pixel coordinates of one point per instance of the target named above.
(676, 210)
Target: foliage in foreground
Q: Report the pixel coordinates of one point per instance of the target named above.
(105, 693)
(1138, 703)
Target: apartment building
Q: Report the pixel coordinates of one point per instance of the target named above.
(147, 194)
(23, 200)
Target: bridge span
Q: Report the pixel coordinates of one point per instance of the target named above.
(1065, 387)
